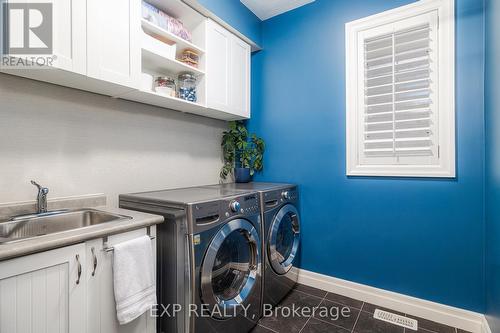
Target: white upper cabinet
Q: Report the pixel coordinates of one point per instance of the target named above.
(239, 97)
(44, 292)
(218, 66)
(109, 48)
(113, 41)
(69, 34)
(228, 72)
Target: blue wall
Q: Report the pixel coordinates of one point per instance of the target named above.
(421, 237)
(237, 15)
(492, 112)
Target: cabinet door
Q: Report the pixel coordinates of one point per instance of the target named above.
(101, 306)
(113, 41)
(69, 34)
(43, 292)
(218, 66)
(239, 92)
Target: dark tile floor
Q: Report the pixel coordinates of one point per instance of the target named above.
(335, 314)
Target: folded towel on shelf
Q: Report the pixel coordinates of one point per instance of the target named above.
(133, 277)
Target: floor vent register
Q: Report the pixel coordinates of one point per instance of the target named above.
(395, 319)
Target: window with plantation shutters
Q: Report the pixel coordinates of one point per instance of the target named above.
(400, 92)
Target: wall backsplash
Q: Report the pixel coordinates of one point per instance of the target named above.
(77, 143)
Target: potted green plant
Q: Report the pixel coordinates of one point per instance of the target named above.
(242, 153)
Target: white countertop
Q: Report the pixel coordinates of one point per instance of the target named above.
(47, 242)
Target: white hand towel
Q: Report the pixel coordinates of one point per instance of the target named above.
(133, 277)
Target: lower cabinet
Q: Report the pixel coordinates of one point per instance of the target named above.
(101, 307)
(44, 292)
(66, 290)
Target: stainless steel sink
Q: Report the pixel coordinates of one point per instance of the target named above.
(30, 226)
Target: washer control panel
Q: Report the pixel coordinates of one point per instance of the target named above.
(235, 206)
(247, 205)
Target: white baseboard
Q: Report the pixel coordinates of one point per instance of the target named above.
(485, 327)
(467, 320)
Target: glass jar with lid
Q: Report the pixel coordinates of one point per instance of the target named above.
(187, 86)
(165, 85)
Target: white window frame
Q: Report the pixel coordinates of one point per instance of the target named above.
(445, 166)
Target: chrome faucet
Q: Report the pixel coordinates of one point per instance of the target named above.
(41, 198)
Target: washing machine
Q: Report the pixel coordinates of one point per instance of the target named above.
(209, 268)
(281, 235)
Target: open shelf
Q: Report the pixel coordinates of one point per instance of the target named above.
(193, 21)
(169, 101)
(174, 103)
(160, 64)
(181, 43)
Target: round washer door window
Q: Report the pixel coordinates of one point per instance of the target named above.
(230, 266)
(284, 237)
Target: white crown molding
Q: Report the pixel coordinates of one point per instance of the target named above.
(195, 4)
(440, 313)
(265, 9)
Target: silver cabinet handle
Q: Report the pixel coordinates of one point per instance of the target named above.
(95, 260)
(79, 268)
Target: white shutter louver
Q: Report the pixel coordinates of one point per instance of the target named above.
(397, 93)
(400, 90)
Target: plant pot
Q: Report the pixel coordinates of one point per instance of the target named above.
(242, 175)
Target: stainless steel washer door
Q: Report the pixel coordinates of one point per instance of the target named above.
(284, 237)
(230, 267)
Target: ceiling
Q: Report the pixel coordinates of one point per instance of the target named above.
(265, 9)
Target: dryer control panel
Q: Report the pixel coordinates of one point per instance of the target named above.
(275, 198)
(289, 195)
